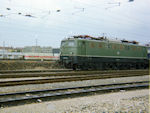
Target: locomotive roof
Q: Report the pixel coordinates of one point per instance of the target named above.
(107, 40)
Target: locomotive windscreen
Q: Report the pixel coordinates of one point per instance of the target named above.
(68, 43)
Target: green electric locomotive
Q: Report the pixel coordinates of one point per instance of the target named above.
(86, 52)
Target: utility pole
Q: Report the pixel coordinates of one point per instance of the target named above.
(3, 49)
(104, 34)
(36, 43)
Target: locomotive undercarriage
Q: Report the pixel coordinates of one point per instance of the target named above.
(102, 63)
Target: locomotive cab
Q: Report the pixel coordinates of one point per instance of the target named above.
(68, 53)
(148, 52)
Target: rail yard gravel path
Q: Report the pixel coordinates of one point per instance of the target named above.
(11, 89)
(32, 78)
(136, 101)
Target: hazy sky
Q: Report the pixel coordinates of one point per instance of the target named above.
(53, 20)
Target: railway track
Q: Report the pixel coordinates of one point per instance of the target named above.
(33, 71)
(70, 73)
(77, 77)
(11, 99)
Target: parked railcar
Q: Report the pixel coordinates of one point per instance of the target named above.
(85, 52)
(11, 55)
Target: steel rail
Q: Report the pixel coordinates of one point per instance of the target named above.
(34, 71)
(23, 75)
(74, 91)
(65, 79)
(53, 70)
(35, 91)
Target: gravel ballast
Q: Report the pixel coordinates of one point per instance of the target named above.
(124, 101)
(21, 88)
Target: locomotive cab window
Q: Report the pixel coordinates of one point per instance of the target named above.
(71, 43)
(68, 43)
(63, 43)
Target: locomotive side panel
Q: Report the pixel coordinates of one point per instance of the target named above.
(89, 54)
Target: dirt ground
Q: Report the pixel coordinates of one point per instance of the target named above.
(136, 101)
(23, 64)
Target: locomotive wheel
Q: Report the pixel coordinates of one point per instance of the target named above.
(74, 67)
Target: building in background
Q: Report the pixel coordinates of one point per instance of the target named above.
(11, 49)
(37, 49)
(30, 53)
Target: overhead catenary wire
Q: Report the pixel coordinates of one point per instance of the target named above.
(95, 21)
(59, 26)
(124, 16)
(95, 6)
(60, 29)
(67, 23)
(98, 19)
